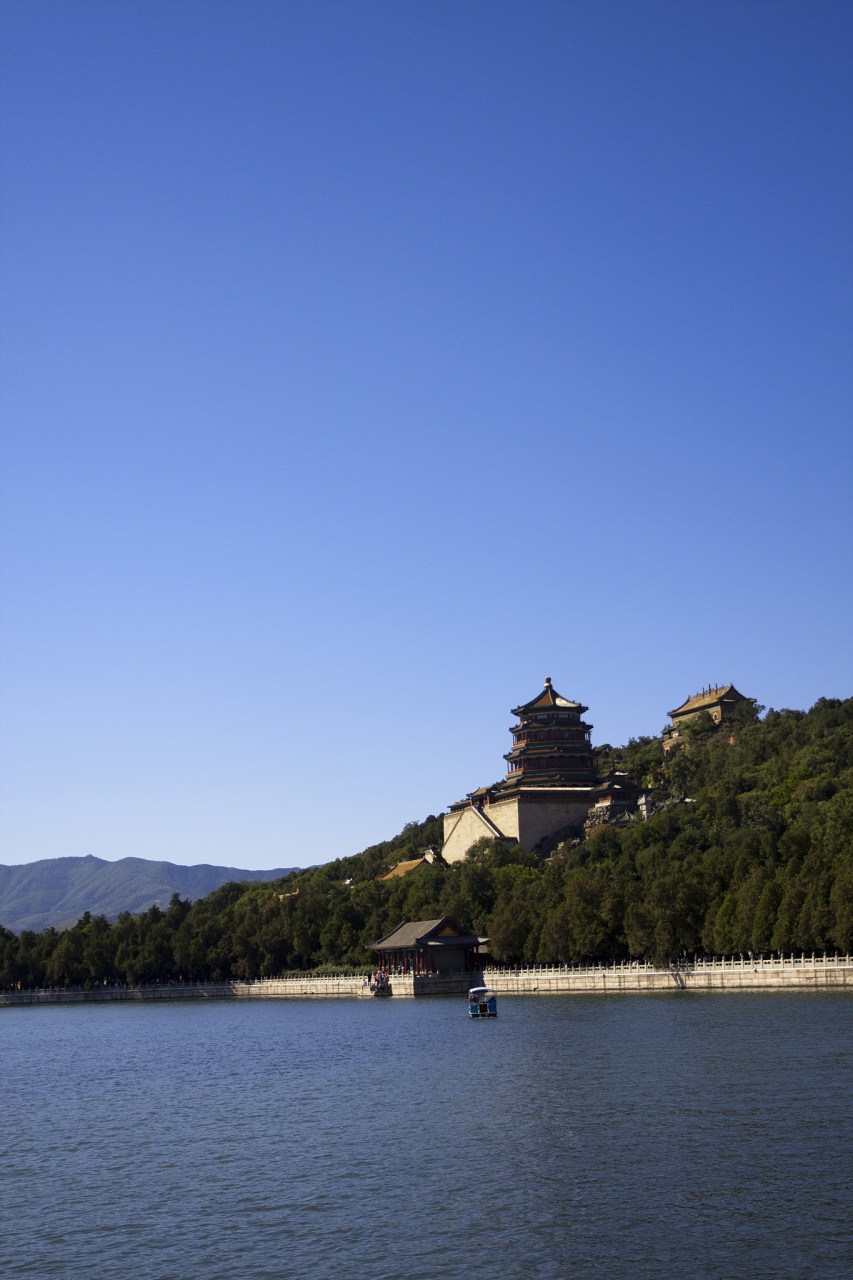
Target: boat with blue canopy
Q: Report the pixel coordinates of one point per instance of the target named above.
(482, 1003)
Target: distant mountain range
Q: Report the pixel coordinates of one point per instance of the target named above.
(56, 891)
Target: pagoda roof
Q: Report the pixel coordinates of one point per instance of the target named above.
(547, 700)
(709, 698)
(537, 786)
(568, 766)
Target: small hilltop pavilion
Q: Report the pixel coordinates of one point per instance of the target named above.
(617, 799)
(429, 946)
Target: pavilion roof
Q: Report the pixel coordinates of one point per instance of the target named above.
(402, 868)
(614, 781)
(546, 700)
(420, 933)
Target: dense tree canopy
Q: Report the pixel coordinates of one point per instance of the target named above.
(750, 850)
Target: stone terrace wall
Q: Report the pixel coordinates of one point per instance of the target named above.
(708, 975)
(802, 972)
(320, 986)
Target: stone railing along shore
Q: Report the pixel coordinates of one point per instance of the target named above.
(800, 972)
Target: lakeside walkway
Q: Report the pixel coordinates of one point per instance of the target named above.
(695, 975)
(800, 972)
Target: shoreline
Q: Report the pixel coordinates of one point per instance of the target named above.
(803, 973)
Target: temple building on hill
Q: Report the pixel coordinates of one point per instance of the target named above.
(616, 799)
(717, 702)
(549, 784)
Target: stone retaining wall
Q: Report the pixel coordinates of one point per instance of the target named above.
(343, 986)
(728, 975)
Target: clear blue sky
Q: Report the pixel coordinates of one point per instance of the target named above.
(363, 364)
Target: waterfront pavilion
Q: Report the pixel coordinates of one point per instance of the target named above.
(429, 946)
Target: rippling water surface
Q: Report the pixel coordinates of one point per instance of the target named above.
(673, 1136)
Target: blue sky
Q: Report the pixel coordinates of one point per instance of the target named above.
(363, 364)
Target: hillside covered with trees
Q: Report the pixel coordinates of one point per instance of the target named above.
(750, 850)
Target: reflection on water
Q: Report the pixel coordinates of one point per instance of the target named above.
(675, 1135)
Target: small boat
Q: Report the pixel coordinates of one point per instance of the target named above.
(482, 1003)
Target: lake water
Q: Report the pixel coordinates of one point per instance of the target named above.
(680, 1136)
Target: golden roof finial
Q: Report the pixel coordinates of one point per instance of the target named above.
(547, 680)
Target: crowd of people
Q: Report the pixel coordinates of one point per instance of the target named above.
(382, 977)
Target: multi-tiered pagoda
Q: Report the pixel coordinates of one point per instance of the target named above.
(548, 786)
(550, 744)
